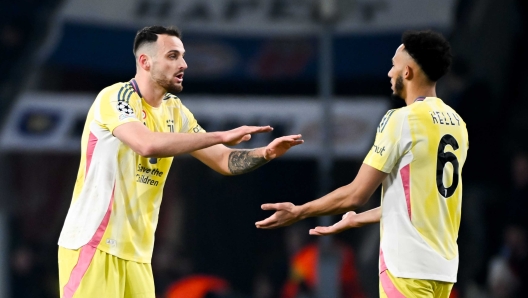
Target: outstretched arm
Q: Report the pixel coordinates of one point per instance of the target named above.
(158, 144)
(341, 200)
(229, 161)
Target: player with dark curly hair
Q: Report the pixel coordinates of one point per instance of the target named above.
(417, 156)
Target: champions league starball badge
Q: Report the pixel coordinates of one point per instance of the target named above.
(125, 108)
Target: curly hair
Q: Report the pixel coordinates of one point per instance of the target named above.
(430, 50)
(150, 34)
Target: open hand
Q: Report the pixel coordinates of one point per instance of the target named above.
(279, 146)
(285, 215)
(347, 221)
(242, 134)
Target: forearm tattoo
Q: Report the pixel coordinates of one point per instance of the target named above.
(243, 161)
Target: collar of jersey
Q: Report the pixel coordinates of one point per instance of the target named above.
(136, 87)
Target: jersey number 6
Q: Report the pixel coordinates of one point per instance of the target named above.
(443, 158)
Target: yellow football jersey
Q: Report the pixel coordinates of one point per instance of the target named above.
(117, 195)
(423, 148)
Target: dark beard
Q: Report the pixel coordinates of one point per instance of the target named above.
(173, 89)
(167, 85)
(398, 88)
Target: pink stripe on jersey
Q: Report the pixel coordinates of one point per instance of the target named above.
(86, 255)
(92, 141)
(382, 264)
(405, 173)
(388, 287)
(85, 258)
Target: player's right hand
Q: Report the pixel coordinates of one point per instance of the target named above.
(242, 134)
(285, 215)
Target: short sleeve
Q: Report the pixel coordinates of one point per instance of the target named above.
(117, 106)
(387, 149)
(190, 124)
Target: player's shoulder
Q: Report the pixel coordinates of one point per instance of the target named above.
(121, 91)
(171, 100)
(393, 117)
(449, 109)
(171, 97)
(453, 111)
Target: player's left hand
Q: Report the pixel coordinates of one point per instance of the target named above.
(279, 146)
(285, 215)
(347, 221)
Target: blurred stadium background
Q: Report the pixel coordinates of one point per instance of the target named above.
(302, 66)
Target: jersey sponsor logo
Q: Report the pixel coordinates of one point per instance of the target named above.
(145, 175)
(384, 121)
(378, 149)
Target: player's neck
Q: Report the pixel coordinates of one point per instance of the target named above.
(152, 93)
(422, 91)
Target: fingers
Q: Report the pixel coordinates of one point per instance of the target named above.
(338, 227)
(293, 140)
(279, 147)
(292, 137)
(267, 223)
(320, 231)
(257, 129)
(324, 231)
(296, 142)
(275, 206)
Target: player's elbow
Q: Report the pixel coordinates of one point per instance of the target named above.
(355, 201)
(224, 173)
(146, 150)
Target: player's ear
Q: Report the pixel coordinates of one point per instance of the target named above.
(408, 72)
(144, 62)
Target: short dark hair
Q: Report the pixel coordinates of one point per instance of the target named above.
(150, 34)
(430, 50)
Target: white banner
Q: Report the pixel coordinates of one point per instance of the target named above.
(48, 122)
(263, 16)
